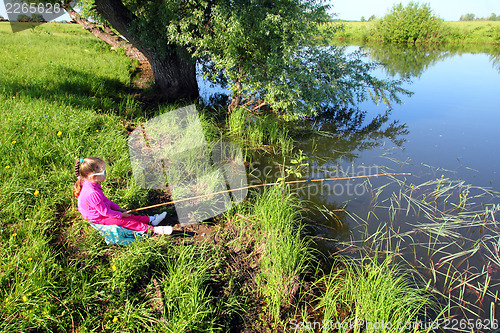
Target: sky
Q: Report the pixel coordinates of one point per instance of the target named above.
(450, 10)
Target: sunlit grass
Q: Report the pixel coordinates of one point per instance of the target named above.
(374, 296)
(186, 298)
(62, 97)
(286, 254)
(59, 100)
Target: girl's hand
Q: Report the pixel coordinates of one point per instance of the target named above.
(125, 214)
(122, 210)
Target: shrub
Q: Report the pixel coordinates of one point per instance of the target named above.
(37, 18)
(23, 18)
(494, 33)
(414, 23)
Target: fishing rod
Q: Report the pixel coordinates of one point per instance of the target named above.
(269, 184)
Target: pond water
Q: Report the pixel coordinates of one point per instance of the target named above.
(442, 219)
(453, 118)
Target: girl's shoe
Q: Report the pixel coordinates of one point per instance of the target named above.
(163, 230)
(155, 220)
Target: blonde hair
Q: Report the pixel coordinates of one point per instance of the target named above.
(83, 169)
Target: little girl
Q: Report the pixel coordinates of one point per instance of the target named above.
(95, 207)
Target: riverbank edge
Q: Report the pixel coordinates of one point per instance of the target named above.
(455, 33)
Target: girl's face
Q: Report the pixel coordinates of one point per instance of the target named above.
(98, 177)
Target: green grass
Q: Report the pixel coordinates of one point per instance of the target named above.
(57, 103)
(187, 304)
(285, 252)
(259, 131)
(475, 32)
(374, 293)
(64, 95)
(349, 30)
(176, 298)
(59, 67)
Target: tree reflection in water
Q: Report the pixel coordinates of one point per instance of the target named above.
(410, 61)
(340, 135)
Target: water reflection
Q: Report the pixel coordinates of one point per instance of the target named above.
(495, 59)
(406, 61)
(411, 61)
(343, 134)
(333, 142)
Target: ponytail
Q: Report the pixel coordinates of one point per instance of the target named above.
(77, 188)
(84, 167)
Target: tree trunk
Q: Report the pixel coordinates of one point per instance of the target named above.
(174, 77)
(173, 68)
(236, 100)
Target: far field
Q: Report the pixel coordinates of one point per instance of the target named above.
(464, 32)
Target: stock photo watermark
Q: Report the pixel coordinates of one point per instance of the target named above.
(207, 179)
(204, 179)
(24, 15)
(359, 324)
(337, 180)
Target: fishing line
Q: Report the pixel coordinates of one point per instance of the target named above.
(269, 184)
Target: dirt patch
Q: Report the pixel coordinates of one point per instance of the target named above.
(143, 76)
(130, 127)
(237, 274)
(156, 298)
(66, 232)
(197, 232)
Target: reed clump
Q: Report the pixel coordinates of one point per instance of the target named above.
(373, 296)
(449, 237)
(285, 253)
(259, 131)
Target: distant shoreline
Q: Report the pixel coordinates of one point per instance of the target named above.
(455, 32)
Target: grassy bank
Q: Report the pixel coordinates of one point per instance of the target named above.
(64, 94)
(263, 132)
(474, 32)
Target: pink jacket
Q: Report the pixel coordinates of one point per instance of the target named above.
(94, 205)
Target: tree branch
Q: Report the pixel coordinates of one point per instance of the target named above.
(121, 18)
(106, 35)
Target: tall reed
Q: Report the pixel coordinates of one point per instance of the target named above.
(285, 251)
(373, 296)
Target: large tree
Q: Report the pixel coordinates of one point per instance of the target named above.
(143, 24)
(264, 51)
